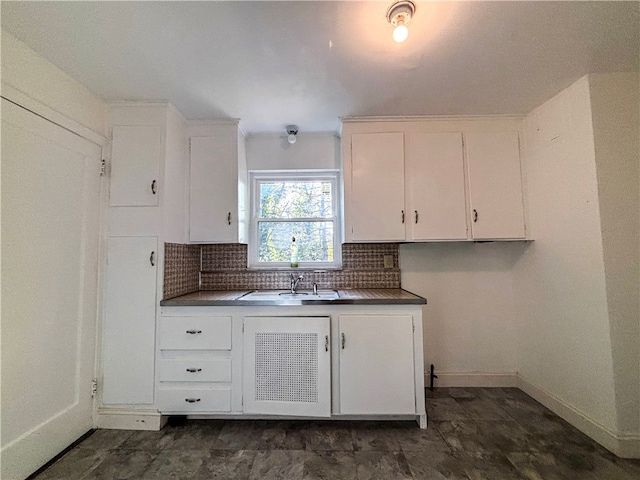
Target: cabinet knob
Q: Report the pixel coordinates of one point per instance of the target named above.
(152, 259)
(153, 187)
(475, 215)
(191, 400)
(194, 370)
(194, 332)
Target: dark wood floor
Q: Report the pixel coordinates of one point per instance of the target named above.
(474, 433)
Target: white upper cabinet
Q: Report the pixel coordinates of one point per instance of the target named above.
(495, 185)
(376, 199)
(135, 163)
(434, 173)
(432, 180)
(216, 187)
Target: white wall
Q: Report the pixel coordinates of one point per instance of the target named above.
(469, 327)
(564, 341)
(311, 150)
(615, 104)
(29, 73)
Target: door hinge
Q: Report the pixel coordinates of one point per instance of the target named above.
(413, 326)
(94, 387)
(103, 167)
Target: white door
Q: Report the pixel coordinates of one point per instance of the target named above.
(135, 163)
(376, 365)
(435, 187)
(213, 205)
(377, 187)
(287, 366)
(495, 185)
(50, 225)
(128, 341)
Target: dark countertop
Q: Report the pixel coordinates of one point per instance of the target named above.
(358, 296)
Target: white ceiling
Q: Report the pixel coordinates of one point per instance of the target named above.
(308, 63)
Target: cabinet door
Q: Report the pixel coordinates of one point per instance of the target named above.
(377, 187)
(135, 163)
(377, 365)
(287, 366)
(434, 181)
(213, 206)
(495, 185)
(129, 324)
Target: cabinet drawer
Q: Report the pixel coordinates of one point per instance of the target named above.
(194, 400)
(195, 333)
(196, 370)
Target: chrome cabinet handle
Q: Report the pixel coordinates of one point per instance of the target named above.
(194, 332)
(402, 216)
(343, 341)
(191, 400)
(152, 259)
(194, 370)
(326, 343)
(475, 215)
(229, 218)
(153, 187)
(416, 214)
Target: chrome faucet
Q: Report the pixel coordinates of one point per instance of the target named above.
(295, 281)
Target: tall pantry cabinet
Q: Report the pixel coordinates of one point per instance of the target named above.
(147, 204)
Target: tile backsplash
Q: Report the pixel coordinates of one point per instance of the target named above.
(224, 267)
(181, 269)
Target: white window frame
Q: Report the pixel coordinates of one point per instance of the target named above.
(258, 176)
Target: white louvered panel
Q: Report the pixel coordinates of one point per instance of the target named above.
(287, 366)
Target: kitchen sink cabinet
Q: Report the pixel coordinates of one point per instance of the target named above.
(376, 365)
(217, 185)
(290, 361)
(495, 185)
(287, 366)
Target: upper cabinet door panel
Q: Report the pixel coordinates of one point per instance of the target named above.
(495, 185)
(435, 187)
(135, 162)
(213, 205)
(377, 187)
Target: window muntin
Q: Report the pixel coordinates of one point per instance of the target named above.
(303, 205)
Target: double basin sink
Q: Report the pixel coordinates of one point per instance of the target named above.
(301, 297)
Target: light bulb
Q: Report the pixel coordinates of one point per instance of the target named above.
(292, 138)
(400, 33)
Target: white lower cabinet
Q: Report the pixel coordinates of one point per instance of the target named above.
(337, 361)
(377, 364)
(194, 367)
(287, 366)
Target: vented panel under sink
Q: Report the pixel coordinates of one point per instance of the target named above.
(286, 367)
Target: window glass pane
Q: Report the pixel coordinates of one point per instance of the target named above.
(295, 199)
(314, 241)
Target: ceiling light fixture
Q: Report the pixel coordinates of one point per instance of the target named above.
(292, 131)
(399, 15)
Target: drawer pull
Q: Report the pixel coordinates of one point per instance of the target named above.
(191, 400)
(194, 370)
(194, 332)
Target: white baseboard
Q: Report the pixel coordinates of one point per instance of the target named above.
(130, 419)
(624, 446)
(473, 379)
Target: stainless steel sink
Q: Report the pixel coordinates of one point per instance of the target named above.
(286, 296)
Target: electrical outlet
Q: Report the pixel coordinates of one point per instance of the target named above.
(388, 261)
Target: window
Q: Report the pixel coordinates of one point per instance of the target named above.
(297, 204)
